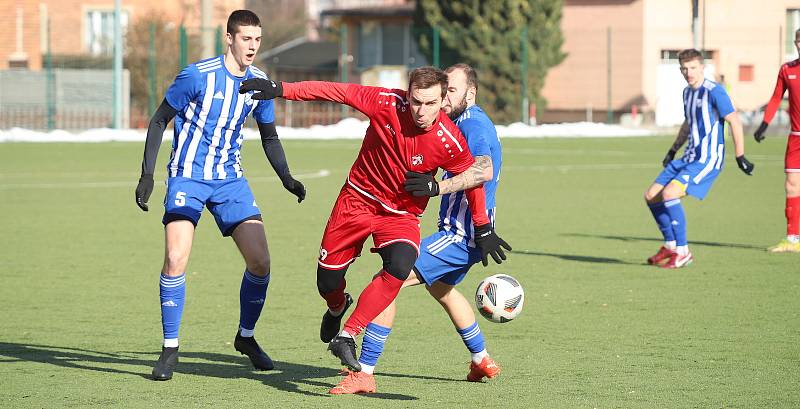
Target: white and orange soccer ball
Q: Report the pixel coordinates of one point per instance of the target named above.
(499, 298)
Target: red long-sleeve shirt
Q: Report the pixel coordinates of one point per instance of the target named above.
(393, 144)
(788, 78)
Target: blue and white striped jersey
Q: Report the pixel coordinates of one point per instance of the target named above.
(705, 109)
(455, 215)
(211, 113)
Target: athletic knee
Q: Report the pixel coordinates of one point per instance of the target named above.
(329, 280)
(175, 264)
(398, 259)
(792, 187)
(259, 266)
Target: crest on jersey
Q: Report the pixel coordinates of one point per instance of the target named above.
(416, 160)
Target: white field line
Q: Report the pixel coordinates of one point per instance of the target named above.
(94, 185)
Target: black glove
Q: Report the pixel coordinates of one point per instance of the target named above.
(143, 191)
(295, 187)
(669, 157)
(421, 184)
(745, 165)
(759, 135)
(490, 243)
(267, 89)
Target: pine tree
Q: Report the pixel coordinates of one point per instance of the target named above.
(488, 35)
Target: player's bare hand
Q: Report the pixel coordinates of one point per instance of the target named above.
(295, 187)
(745, 165)
(421, 184)
(265, 89)
(490, 243)
(669, 157)
(143, 191)
(759, 134)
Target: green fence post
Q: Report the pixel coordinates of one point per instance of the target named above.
(436, 47)
(184, 48)
(51, 84)
(609, 113)
(218, 41)
(343, 57)
(151, 71)
(524, 72)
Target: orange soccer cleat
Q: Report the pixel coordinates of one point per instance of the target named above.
(678, 261)
(486, 368)
(355, 382)
(663, 255)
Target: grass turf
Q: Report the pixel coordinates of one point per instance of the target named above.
(81, 325)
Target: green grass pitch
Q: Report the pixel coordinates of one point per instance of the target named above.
(80, 318)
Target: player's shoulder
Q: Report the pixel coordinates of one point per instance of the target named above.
(206, 65)
(791, 64)
(474, 116)
(257, 72)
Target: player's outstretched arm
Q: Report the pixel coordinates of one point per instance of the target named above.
(481, 171)
(683, 135)
(277, 158)
(738, 142)
(155, 132)
(425, 184)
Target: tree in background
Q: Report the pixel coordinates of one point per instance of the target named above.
(488, 35)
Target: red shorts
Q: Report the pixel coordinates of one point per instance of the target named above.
(792, 159)
(353, 218)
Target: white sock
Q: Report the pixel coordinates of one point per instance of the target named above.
(671, 244)
(344, 333)
(793, 238)
(171, 343)
(247, 333)
(478, 356)
(683, 250)
(367, 369)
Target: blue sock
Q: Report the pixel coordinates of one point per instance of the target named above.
(473, 338)
(659, 212)
(372, 345)
(678, 216)
(172, 291)
(252, 294)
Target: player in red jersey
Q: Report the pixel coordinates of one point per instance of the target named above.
(788, 78)
(409, 137)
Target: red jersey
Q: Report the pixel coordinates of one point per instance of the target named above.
(393, 143)
(788, 78)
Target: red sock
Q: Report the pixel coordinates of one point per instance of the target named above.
(373, 300)
(793, 215)
(335, 298)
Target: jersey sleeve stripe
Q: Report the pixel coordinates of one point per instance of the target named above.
(460, 149)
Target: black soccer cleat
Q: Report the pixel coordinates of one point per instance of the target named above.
(330, 323)
(166, 364)
(344, 348)
(248, 346)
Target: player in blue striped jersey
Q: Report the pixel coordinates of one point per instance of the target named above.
(447, 255)
(706, 107)
(204, 170)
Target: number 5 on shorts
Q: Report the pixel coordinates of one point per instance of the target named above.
(180, 199)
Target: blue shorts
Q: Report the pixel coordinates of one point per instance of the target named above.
(695, 177)
(229, 200)
(445, 257)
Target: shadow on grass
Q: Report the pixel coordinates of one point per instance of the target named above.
(575, 257)
(659, 240)
(286, 376)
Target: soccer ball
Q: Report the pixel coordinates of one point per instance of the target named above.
(499, 298)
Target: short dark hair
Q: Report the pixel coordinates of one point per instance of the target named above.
(690, 54)
(472, 76)
(427, 77)
(242, 18)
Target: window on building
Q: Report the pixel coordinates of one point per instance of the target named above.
(99, 31)
(386, 44)
(746, 73)
(792, 24)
